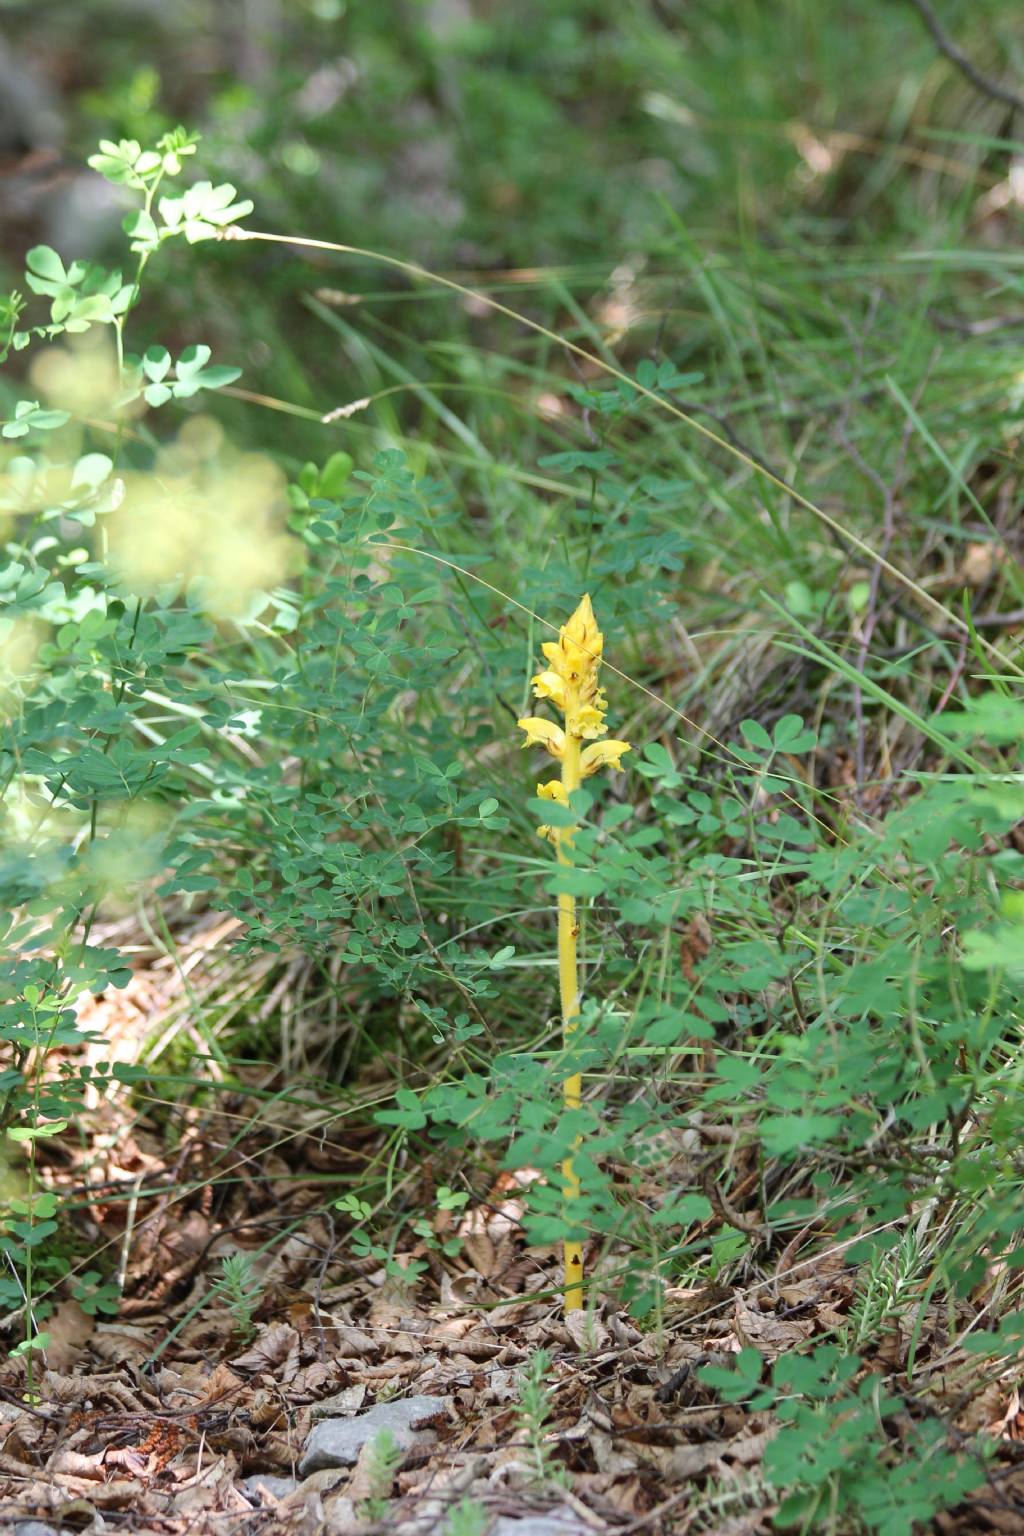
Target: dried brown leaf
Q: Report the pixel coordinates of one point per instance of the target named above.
(766, 1332)
(69, 1328)
(276, 1349)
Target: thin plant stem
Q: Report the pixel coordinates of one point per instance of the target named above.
(569, 987)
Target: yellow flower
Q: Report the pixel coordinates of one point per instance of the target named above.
(548, 685)
(602, 754)
(544, 733)
(554, 790)
(570, 682)
(586, 721)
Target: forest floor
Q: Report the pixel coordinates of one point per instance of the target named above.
(189, 1414)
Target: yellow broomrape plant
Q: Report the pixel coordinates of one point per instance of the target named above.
(570, 682)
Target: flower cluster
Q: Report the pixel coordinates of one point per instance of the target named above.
(570, 682)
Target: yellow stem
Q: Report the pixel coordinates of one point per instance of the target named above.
(569, 987)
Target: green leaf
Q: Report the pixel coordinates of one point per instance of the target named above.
(39, 1341)
(142, 230)
(550, 813)
(756, 735)
(683, 1213)
(998, 948)
(216, 376)
(91, 470)
(409, 1114)
(335, 474)
(790, 736)
(192, 360)
(738, 1382)
(34, 1132)
(789, 1133)
(156, 363)
(576, 882)
(44, 262)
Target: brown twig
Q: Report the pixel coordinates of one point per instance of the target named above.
(956, 56)
(727, 1212)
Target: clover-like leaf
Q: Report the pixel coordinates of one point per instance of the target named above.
(125, 163)
(90, 471)
(192, 360)
(142, 230)
(30, 416)
(156, 363)
(203, 210)
(44, 262)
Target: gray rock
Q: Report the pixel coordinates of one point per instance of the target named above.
(559, 1522)
(34, 1528)
(279, 1487)
(337, 1442)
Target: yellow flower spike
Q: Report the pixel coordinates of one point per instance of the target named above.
(570, 682)
(543, 733)
(603, 754)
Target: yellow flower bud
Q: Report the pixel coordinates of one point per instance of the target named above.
(570, 683)
(576, 655)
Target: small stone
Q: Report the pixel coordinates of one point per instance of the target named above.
(559, 1522)
(34, 1528)
(337, 1442)
(267, 1482)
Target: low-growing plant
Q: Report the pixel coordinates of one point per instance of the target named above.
(847, 1450)
(533, 1413)
(467, 1518)
(241, 1290)
(383, 1459)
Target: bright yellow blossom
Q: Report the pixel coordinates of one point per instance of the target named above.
(553, 790)
(543, 733)
(602, 754)
(587, 721)
(548, 685)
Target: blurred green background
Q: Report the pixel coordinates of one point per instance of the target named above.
(469, 134)
(797, 200)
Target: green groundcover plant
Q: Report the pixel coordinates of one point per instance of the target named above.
(286, 691)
